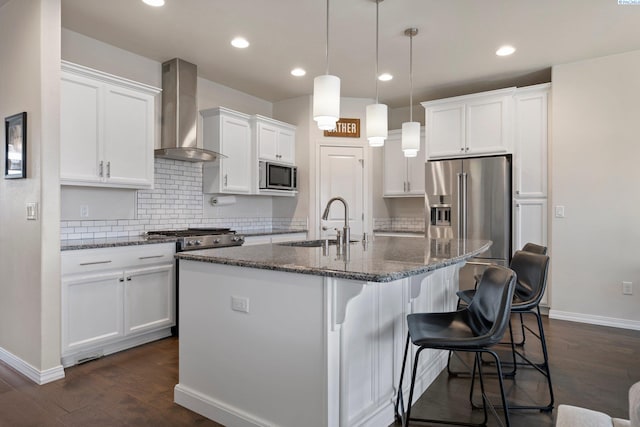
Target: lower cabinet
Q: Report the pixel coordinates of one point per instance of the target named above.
(530, 225)
(115, 298)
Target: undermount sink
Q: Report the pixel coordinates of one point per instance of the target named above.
(313, 243)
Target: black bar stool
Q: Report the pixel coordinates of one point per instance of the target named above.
(531, 269)
(474, 329)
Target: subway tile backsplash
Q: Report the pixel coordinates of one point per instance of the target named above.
(174, 203)
(399, 224)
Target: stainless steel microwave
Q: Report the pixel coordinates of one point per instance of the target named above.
(276, 176)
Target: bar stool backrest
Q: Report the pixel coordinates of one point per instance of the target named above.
(490, 308)
(536, 249)
(531, 269)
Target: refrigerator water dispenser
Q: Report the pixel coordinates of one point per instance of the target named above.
(441, 215)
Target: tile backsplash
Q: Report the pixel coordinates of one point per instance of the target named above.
(175, 202)
(399, 224)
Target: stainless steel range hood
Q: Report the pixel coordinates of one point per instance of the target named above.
(180, 114)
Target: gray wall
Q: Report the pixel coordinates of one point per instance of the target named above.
(30, 250)
(594, 173)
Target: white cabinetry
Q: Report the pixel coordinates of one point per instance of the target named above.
(530, 211)
(107, 129)
(229, 133)
(469, 125)
(276, 141)
(402, 176)
(530, 147)
(116, 298)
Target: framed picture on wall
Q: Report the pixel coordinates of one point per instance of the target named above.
(15, 159)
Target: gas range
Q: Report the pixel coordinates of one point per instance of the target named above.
(200, 238)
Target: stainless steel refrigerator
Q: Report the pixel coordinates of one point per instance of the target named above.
(470, 198)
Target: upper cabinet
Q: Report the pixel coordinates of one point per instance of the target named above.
(276, 141)
(107, 129)
(229, 133)
(475, 124)
(530, 141)
(402, 176)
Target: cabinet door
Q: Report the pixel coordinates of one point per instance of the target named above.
(530, 226)
(236, 145)
(394, 168)
(487, 125)
(415, 172)
(92, 309)
(530, 222)
(287, 146)
(531, 145)
(80, 144)
(267, 142)
(129, 138)
(445, 130)
(149, 299)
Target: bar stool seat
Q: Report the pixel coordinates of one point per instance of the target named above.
(473, 329)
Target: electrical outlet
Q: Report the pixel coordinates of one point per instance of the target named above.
(32, 211)
(627, 288)
(559, 212)
(240, 304)
(84, 211)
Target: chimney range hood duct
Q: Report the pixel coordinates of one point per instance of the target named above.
(180, 114)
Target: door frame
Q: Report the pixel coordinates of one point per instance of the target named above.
(315, 210)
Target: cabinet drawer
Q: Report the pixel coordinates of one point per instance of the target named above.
(91, 260)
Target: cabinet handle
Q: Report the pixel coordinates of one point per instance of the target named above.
(121, 280)
(150, 256)
(129, 279)
(101, 168)
(225, 179)
(408, 187)
(95, 262)
(517, 191)
(461, 148)
(466, 149)
(108, 169)
(404, 186)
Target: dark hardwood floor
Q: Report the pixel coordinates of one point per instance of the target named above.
(591, 366)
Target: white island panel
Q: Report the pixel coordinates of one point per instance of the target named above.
(312, 351)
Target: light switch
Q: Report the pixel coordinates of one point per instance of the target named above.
(559, 211)
(32, 210)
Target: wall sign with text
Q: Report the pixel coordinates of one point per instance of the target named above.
(345, 128)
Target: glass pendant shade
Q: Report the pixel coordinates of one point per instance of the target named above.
(326, 101)
(377, 128)
(411, 138)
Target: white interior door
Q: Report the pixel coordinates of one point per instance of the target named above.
(342, 175)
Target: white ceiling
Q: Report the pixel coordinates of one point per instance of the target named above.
(453, 52)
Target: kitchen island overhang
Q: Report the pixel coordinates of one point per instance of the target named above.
(275, 335)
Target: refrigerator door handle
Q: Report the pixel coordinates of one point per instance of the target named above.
(460, 207)
(464, 205)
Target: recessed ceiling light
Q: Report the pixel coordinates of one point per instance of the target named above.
(154, 3)
(240, 42)
(298, 72)
(385, 77)
(505, 50)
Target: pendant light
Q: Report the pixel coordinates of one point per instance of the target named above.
(377, 116)
(411, 129)
(326, 94)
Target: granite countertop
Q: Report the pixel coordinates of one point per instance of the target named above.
(111, 242)
(383, 259)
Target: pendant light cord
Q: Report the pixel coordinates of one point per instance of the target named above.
(327, 51)
(411, 77)
(377, 38)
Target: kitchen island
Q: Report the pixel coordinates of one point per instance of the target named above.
(278, 335)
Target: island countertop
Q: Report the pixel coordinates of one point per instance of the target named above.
(383, 259)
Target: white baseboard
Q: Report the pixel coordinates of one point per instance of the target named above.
(29, 371)
(595, 320)
(215, 410)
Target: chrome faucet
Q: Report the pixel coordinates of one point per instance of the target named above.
(346, 234)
